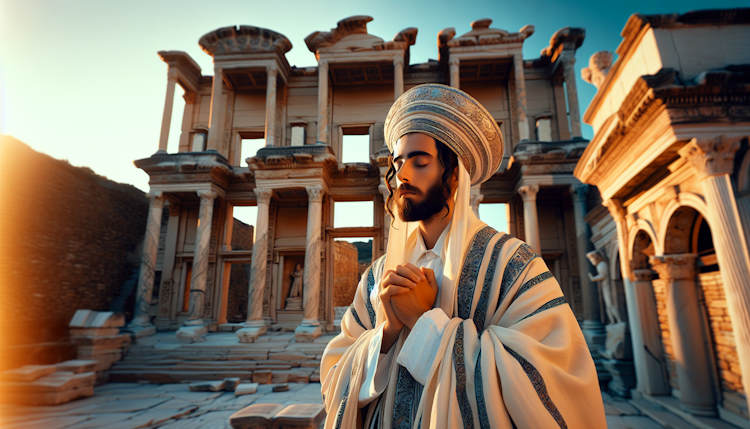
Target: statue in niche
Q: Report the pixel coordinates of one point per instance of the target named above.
(605, 285)
(294, 300)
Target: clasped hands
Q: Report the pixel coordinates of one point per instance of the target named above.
(405, 294)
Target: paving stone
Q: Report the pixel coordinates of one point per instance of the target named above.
(207, 386)
(246, 389)
(254, 416)
(280, 388)
(631, 422)
(230, 384)
(212, 420)
(52, 422)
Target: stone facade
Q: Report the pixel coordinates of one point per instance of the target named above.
(70, 240)
(304, 117)
(670, 161)
(345, 273)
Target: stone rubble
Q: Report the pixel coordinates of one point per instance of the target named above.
(97, 337)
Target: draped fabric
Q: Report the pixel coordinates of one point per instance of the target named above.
(512, 353)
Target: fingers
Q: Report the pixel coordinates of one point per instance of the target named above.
(411, 272)
(430, 275)
(392, 290)
(394, 278)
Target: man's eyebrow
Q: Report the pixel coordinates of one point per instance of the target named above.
(412, 154)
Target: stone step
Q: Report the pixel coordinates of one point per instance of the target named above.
(52, 389)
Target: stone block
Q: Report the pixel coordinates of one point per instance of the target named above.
(230, 384)
(262, 377)
(299, 416)
(280, 388)
(245, 389)
(307, 334)
(250, 334)
(255, 416)
(207, 386)
(27, 373)
(77, 366)
(80, 319)
(52, 389)
(192, 334)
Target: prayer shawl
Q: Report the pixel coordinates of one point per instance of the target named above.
(512, 354)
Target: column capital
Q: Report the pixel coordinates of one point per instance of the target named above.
(616, 210)
(680, 266)
(711, 156)
(272, 70)
(207, 195)
(190, 97)
(643, 274)
(528, 192)
(454, 61)
(322, 64)
(398, 61)
(383, 189)
(263, 195)
(315, 193)
(567, 58)
(155, 195)
(171, 75)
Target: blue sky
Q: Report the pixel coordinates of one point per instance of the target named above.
(80, 79)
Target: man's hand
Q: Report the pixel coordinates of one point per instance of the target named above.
(420, 297)
(391, 285)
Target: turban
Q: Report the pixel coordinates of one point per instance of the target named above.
(452, 117)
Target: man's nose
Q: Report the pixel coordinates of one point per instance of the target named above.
(403, 174)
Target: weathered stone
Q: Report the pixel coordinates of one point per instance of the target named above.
(192, 334)
(245, 389)
(308, 416)
(27, 373)
(208, 386)
(230, 384)
(262, 377)
(77, 366)
(255, 416)
(281, 388)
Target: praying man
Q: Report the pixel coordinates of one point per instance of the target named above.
(457, 324)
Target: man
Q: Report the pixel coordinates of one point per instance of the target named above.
(457, 325)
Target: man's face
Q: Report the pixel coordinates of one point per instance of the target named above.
(419, 192)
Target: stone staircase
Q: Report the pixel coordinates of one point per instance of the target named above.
(274, 358)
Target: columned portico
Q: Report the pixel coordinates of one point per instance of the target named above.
(194, 327)
(166, 118)
(398, 77)
(645, 335)
(141, 323)
(530, 217)
(323, 128)
(713, 160)
(255, 325)
(270, 128)
(692, 363)
(310, 328)
(520, 84)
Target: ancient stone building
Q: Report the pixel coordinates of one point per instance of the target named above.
(304, 116)
(670, 159)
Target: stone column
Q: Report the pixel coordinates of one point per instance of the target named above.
(309, 329)
(323, 129)
(255, 325)
(398, 76)
(455, 72)
(194, 328)
(568, 62)
(713, 159)
(561, 111)
(646, 335)
(166, 117)
(520, 79)
(530, 219)
(593, 329)
(270, 131)
(476, 198)
(141, 323)
(687, 332)
(386, 216)
(187, 120)
(216, 114)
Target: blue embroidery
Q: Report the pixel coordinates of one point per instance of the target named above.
(481, 311)
(408, 394)
(368, 302)
(484, 420)
(517, 263)
(460, 367)
(356, 317)
(546, 306)
(470, 271)
(531, 283)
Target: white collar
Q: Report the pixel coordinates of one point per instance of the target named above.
(437, 249)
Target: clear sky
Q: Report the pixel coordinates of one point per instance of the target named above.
(80, 79)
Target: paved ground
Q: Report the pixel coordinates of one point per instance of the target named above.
(132, 405)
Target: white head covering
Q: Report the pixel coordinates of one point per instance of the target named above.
(454, 118)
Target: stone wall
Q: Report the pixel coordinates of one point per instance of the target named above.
(345, 269)
(70, 240)
(725, 351)
(660, 294)
(239, 278)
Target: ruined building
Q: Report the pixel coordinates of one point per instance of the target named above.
(300, 271)
(670, 159)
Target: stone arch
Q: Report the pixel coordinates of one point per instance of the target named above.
(684, 203)
(643, 230)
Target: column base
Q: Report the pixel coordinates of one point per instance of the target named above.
(141, 327)
(595, 335)
(251, 331)
(623, 376)
(192, 331)
(307, 331)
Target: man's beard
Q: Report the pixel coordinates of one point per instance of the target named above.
(433, 203)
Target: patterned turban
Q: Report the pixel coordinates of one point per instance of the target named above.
(452, 117)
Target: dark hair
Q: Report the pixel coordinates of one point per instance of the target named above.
(447, 159)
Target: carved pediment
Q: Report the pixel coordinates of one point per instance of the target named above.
(482, 34)
(244, 39)
(351, 35)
